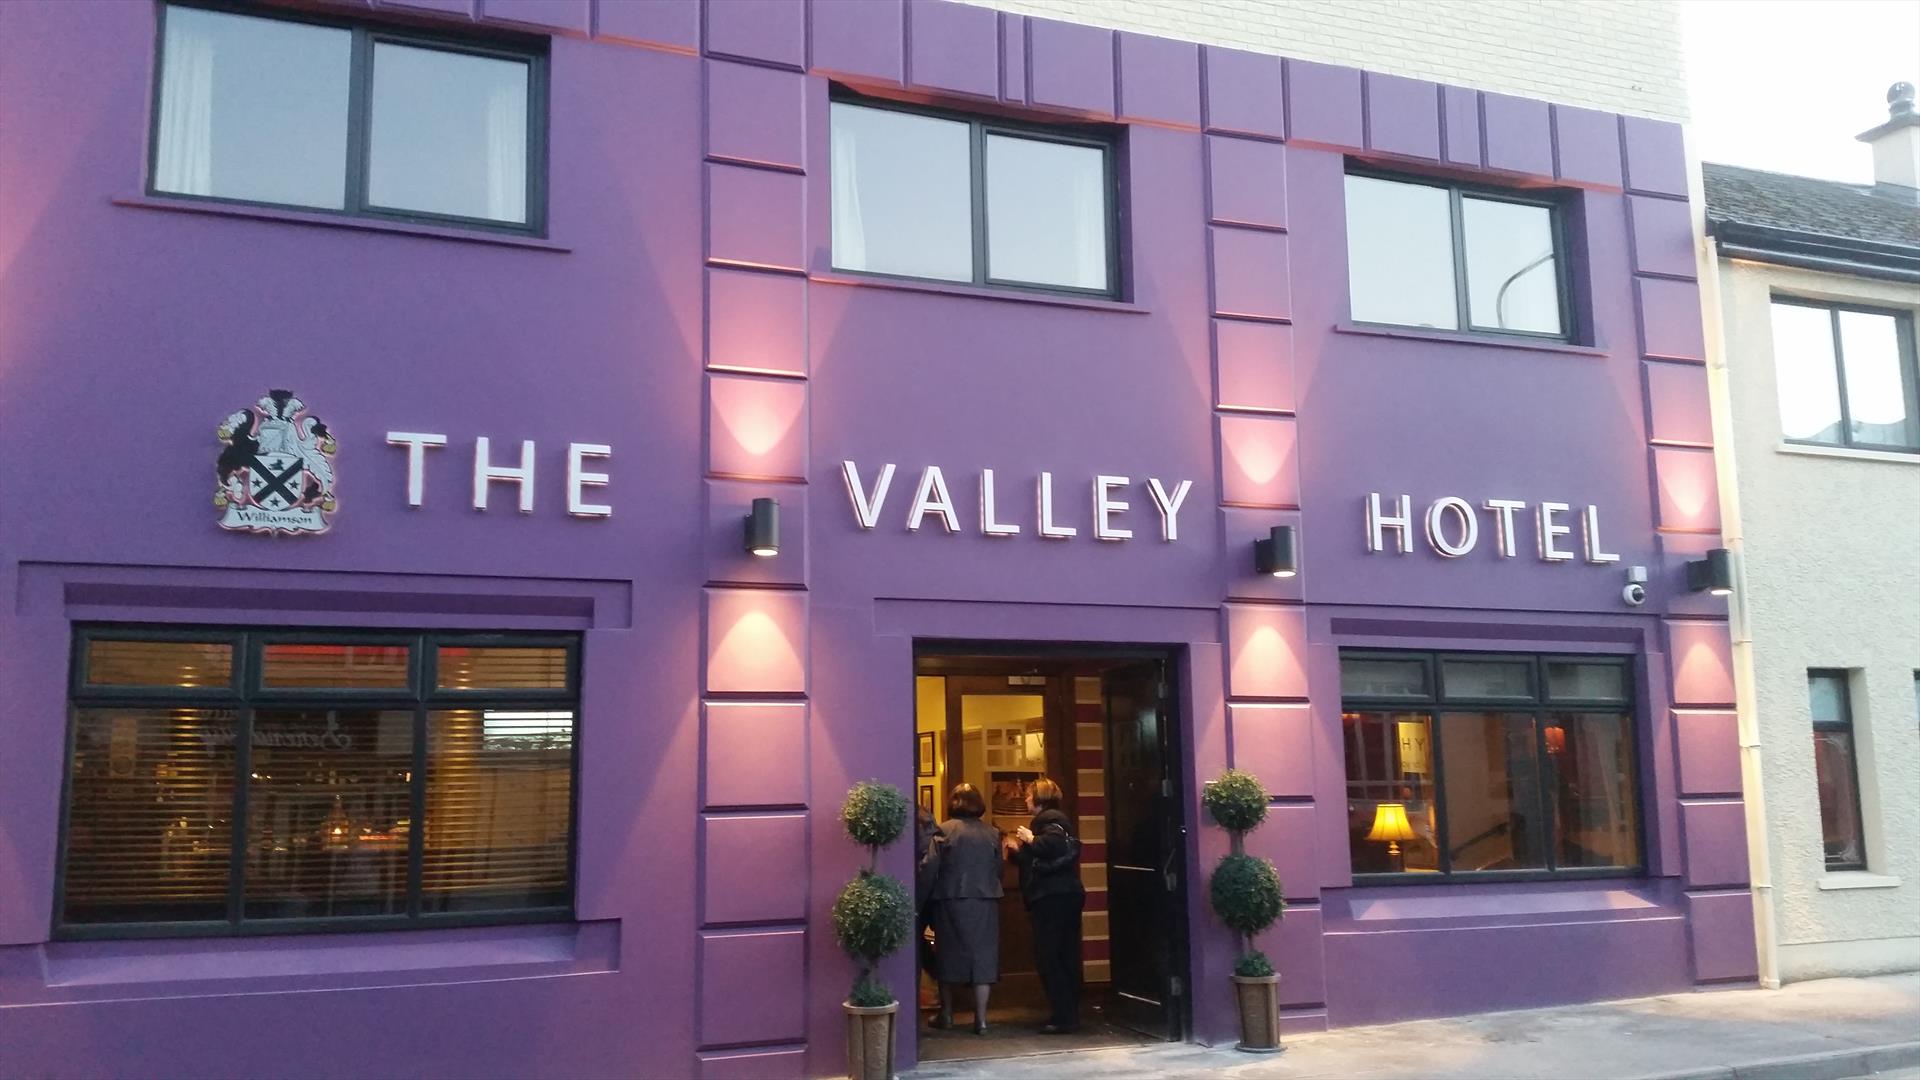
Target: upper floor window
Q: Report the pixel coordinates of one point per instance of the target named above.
(1477, 765)
(1846, 375)
(926, 194)
(1836, 770)
(1444, 256)
(354, 119)
(226, 782)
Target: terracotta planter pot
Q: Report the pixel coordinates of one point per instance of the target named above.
(1259, 1013)
(870, 1041)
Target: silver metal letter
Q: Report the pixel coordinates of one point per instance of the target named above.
(1503, 511)
(484, 471)
(988, 525)
(1549, 529)
(1590, 537)
(1378, 523)
(416, 444)
(932, 498)
(1469, 526)
(578, 480)
(1169, 506)
(1104, 508)
(1047, 528)
(866, 508)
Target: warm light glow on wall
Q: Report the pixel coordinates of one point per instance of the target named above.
(1257, 461)
(1689, 491)
(758, 427)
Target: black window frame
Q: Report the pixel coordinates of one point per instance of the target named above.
(245, 691)
(1558, 206)
(1844, 679)
(979, 127)
(1909, 369)
(1436, 704)
(533, 51)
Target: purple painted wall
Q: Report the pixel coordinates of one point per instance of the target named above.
(684, 311)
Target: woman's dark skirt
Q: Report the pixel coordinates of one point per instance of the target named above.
(966, 940)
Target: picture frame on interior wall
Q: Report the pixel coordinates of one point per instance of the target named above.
(926, 800)
(929, 754)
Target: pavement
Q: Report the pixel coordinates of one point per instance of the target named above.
(1829, 1029)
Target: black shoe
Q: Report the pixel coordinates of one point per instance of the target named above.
(940, 1021)
(979, 1027)
(1058, 1029)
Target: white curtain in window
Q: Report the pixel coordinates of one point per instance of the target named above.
(183, 161)
(1088, 190)
(849, 230)
(507, 153)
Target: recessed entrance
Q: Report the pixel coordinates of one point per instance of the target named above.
(1100, 723)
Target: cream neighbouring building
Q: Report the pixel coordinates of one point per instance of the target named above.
(1818, 425)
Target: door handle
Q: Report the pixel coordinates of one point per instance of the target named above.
(1167, 871)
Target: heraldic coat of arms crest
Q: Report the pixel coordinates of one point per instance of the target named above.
(275, 468)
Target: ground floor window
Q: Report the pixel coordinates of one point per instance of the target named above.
(1836, 770)
(1476, 765)
(225, 781)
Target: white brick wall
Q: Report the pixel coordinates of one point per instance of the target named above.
(1620, 55)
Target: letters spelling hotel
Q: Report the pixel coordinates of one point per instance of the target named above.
(400, 388)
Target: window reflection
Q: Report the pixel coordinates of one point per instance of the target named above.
(1400, 253)
(1492, 792)
(1595, 817)
(1512, 280)
(1390, 802)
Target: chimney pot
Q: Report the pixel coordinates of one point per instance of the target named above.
(1896, 144)
(1900, 100)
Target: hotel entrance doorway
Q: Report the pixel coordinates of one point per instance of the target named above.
(1101, 724)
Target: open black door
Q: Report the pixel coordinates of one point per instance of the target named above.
(1145, 853)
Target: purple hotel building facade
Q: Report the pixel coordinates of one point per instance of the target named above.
(675, 331)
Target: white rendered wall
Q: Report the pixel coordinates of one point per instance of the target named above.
(1830, 550)
(1619, 55)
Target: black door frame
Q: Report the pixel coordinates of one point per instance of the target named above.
(1170, 658)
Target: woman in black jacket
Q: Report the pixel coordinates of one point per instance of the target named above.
(1048, 856)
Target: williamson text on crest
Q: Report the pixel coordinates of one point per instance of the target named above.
(275, 469)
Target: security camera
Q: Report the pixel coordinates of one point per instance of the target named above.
(1634, 594)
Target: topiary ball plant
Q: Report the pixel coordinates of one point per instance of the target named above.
(873, 915)
(1253, 964)
(1245, 893)
(1237, 801)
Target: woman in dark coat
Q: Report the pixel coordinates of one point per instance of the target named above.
(966, 905)
(1048, 856)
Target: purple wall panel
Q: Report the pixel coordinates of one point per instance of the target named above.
(1250, 275)
(1702, 659)
(1246, 181)
(1709, 755)
(754, 751)
(1255, 364)
(756, 641)
(755, 867)
(1722, 930)
(1656, 156)
(567, 16)
(757, 428)
(1687, 487)
(1266, 651)
(1670, 324)
(789, 1063)
(1403, 116)
(1159, 80)
(1586, 146)
(1715, 834)
(1323, 105)
(756, 217)
(756, 321)
(728, 503)
(673, 24)
(1286, 838)
(1257, 462)
(862, 38)
(1013, 58)
(1662, 236)
(953, 47)
(1244, 92)
(1300, 956)
(752, 986)
(1460, 123)
(1677, 408)
(1275, 743)
(756, 114)
(1519, 135)
(773, 31)
(1072, 67)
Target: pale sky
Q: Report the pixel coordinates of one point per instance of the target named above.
(1786, 84)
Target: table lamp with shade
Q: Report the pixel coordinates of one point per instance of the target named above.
(1390, 824)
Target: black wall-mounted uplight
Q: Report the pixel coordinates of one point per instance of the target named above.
(1713, 574)
(1275, 554)
(763, 528)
